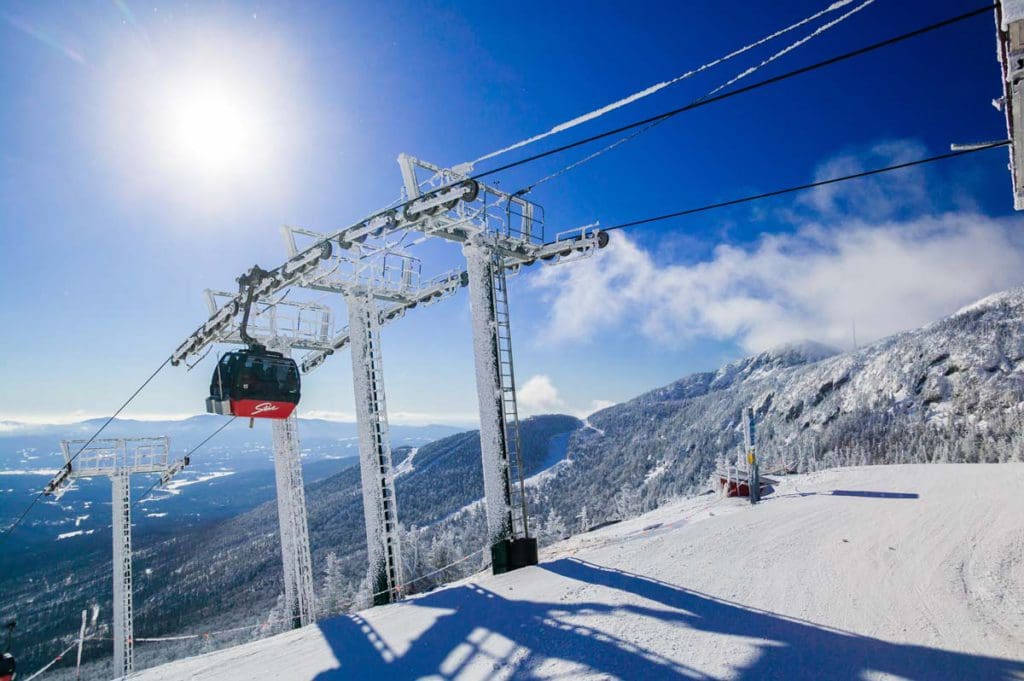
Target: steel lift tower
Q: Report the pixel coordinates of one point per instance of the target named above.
(498, 232)
(368, 263)
(118, 459)
(282, 325)
(367, 277)
(380, 287)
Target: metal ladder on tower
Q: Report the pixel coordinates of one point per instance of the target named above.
(509, 408)
(382, 445)
(123, 616)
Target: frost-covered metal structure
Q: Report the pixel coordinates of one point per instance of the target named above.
(282, 325)
(296, 557)
(370, 264)
(749, 444)
(498, 232)
(1010, 42)
(118, 459)
(369, 277)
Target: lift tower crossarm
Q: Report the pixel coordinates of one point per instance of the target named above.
(275, 280)
(440, 288)
(307, 329)
(461, 208)
(455, 212)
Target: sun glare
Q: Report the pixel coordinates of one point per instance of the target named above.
(210, 121)
(211, 130)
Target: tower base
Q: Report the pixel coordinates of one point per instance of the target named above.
(512, 554)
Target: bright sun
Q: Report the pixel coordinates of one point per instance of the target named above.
(207, 121)
(211, 130)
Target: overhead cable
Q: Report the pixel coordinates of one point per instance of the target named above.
(739, 91)
(597, 113)
(809, 185)
(732, 81)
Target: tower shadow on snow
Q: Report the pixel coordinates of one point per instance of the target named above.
(790, 648)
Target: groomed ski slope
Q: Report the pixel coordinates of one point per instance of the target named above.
(885, 572)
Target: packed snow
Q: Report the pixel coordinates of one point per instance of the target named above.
(75, 533)
(407, 465)
(174, 486)
(1013, 10)
(883, 572)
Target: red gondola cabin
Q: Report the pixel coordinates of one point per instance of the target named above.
(254, 383)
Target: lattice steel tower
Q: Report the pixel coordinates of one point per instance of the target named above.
(118, 459)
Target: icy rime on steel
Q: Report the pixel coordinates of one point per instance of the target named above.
(117, 459)
(380, 282)
(375, 469)
(495, 384)
(124, 628)
(299, 597)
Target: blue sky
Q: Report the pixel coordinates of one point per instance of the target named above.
(111, 228)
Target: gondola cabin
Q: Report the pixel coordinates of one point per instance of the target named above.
(254, 383)
(7, 667)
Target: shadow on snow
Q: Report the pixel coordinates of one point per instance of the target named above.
(875, 495)
(786, 648)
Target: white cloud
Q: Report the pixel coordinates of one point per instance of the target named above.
(538, 395)
(883, 274)
(878, 197)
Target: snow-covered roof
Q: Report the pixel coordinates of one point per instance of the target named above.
(1013, 10)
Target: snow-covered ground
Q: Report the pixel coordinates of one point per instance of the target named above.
(895, 572)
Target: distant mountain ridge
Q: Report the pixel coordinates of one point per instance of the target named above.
(317, 435)
(30, 456)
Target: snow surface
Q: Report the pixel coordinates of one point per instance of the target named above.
(75, 533)
(174, 486)
(1013, 10)
(407, 465)
(885, 572)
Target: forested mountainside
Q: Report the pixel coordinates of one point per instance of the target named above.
(951, 391)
